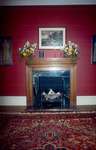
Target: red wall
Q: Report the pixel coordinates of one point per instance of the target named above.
(22, 24)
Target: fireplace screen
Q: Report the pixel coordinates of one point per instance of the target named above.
(51, 89)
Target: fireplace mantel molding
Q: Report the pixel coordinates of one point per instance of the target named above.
(51, 61)
(47, 64)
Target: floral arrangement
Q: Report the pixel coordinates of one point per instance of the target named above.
(71, 49)
(28, 49)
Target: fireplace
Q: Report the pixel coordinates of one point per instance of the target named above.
(51, 83)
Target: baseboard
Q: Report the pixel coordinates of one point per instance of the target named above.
(21, 100)
(13, 101)
(86, 100)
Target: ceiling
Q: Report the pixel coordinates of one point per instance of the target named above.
(45, 2)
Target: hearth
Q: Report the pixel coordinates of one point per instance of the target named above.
(51, 84)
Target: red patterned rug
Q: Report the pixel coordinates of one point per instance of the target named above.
(48, 131)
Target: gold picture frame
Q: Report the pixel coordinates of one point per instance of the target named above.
(51, 38)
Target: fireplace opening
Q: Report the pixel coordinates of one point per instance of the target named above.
(51, 89)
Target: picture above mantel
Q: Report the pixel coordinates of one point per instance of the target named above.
(51, 38)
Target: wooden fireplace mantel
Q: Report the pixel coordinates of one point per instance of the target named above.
(51, 61)
(47, 64)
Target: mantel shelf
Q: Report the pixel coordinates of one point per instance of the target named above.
(51, 61)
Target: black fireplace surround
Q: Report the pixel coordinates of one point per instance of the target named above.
(57, 81)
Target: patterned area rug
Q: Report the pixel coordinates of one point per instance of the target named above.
(48, 131)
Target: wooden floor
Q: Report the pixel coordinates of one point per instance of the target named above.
(21, 109)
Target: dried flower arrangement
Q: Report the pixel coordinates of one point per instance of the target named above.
(70, 50)
(28, 49)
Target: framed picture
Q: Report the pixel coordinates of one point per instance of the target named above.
(5, 50)
(94, 50)
(51, 38)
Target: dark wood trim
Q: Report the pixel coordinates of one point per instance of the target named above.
(47, 64)
(12, 109)
(22, 109)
